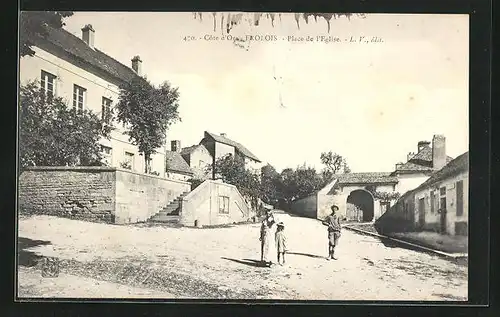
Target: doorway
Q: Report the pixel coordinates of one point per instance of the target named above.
(360, 206)
(442, 218)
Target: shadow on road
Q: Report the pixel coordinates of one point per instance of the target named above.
(393, 244)
(307, 254)
(254, 263)
(28, 258)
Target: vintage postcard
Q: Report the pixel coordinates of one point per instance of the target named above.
(244, 156)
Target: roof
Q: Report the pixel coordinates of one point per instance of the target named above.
(365, 178)
(456, 166)
(78, 50)
(189, 149)
(243, 150)
(420, 162)
(175, 163)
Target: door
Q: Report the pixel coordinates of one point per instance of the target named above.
(442, 208)
(421, 212)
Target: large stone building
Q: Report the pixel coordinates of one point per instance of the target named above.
(72, 67)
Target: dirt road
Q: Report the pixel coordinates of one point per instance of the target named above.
(222, 263)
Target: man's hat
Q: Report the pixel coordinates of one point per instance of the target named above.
(281, 224)
(334, 207)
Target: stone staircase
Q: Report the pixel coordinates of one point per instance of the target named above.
(169, 213)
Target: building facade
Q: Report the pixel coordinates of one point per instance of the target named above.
(199, 159)
(366, 197)
(440, 204)
(73, 68)
(220, 145)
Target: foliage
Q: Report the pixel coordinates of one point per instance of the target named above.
(34, 23)
(53, 134)
(126, 165)
(270, 181)
(232, 171)
(334, 164)
(195, 182)
(384, 196)
(147, 113)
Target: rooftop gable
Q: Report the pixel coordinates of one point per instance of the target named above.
(176, 163)
(221, 139)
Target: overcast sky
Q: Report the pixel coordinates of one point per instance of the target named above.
(370, 102)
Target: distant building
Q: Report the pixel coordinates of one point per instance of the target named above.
(73, 68)
(220, 145)
(430, 157)
(353, 193)
(367, 196)
(440, 204)
(199, 159)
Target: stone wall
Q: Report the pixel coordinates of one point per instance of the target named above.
(306, 207)
(86, 193)
(101, 194)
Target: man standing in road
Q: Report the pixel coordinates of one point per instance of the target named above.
(333, 223)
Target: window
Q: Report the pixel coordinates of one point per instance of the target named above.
(48, 83)
(106, 150)
(433, 202)
(460, 198)
(442, 191)
(129, 160)
(79, 96)
(106, 110)
(223, 205)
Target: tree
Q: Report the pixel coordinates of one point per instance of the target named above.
(232, 171)
(34, 23)
(270, 184)
(334, 164)
(53, 134)
(147, 112)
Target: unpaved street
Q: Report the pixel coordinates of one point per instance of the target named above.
(155, 261)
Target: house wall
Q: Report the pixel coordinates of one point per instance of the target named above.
(97, 87)
(199, 160)
(222, 150)
(400, 217)
(84, 193)
(306, 207)
(140, 196)
(432, 219)
(202, 205)
(407, 182)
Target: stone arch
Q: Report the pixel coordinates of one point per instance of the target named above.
(360, 206)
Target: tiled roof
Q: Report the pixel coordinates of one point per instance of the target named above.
(365, 178)
(420, 162)
(243, 150)
(76, 49)
(175, 163)
(189, 149)
(456, 166)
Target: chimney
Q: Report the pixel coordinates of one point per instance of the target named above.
(136, 65)
(422, 144)
(175, 146)
(409, 156)
(438, 152)
(398, 166)
(223, 135)
(88, 33)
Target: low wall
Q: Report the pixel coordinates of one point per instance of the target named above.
(86, 193)
(202, 205)
(140, 196)
(99, 194)
(306, 207)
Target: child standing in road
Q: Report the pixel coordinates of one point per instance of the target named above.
(281, 242)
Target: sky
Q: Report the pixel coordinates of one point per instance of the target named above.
(288, 101)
